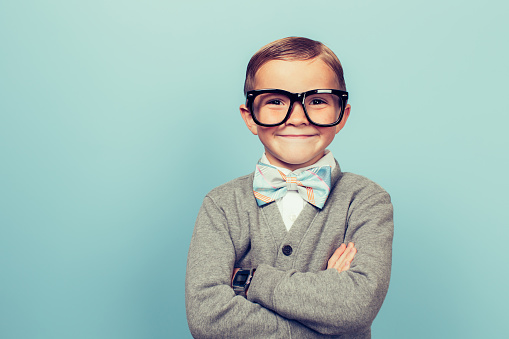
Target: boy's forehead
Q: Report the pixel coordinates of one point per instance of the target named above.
(296, 75)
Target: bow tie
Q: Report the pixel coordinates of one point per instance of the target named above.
(270, 184)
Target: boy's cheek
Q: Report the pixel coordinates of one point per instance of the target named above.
(264, 132)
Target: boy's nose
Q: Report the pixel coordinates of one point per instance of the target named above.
(297, 115)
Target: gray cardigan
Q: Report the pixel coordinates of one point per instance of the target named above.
(290, 296)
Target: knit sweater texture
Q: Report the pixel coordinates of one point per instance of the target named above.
(291, 295)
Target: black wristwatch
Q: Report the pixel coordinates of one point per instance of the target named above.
(241, 280)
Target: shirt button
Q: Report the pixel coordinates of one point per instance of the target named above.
(287, 250)
(293, 218)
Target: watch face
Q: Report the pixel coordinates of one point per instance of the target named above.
(240, 278)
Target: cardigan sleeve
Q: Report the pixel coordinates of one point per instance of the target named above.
(330, 302)
(213, 310)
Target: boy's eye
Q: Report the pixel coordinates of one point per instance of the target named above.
(275, 102)
(317, 101)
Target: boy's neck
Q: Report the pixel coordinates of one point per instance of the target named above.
(293, 167)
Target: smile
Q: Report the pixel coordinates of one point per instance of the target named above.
(297, 136)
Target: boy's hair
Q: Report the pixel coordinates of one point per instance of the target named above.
(293, 48)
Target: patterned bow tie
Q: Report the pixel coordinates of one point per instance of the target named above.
(271, 184)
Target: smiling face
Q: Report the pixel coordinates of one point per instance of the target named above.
(296, 143)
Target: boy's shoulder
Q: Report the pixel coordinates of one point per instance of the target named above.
(358, 185)
(238, 188)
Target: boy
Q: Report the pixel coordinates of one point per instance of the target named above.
(268, 257)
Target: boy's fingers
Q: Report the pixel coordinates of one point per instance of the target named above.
(335, 256)
(341, 259)
(349, 257)
(345, 258)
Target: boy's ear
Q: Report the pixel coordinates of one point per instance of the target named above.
(248, 119)
(346, 114)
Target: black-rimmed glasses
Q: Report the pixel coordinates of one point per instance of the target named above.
(272, 107)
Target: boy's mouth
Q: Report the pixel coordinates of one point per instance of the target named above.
(297, 136)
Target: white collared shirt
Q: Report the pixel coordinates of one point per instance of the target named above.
(292, 203)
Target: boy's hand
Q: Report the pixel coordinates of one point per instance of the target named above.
(342, 257)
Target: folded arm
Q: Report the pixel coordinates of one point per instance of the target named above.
(213, 309)
(325, 302)
(340, 260)
(330, 302)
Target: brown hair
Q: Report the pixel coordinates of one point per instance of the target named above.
(293, 48)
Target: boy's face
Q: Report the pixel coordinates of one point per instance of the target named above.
(296, 143)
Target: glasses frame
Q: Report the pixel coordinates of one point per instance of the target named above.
(294, 97)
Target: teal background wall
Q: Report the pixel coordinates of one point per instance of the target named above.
(117, 117)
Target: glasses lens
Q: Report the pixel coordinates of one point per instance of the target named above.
(271, 108)
(323, 108)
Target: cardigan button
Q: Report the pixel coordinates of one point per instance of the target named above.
(287, 250)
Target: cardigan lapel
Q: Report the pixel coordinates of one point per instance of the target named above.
(274, 222)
